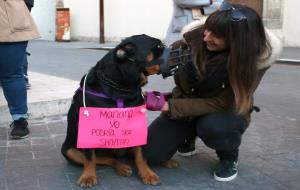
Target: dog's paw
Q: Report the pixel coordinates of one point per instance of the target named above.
(123, 170)
(150, 178)
(171, 164)
(87, 181)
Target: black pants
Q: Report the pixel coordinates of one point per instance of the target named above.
(219, 131)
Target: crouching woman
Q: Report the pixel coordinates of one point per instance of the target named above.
(213, 96)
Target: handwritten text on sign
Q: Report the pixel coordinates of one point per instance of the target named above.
(112, 127)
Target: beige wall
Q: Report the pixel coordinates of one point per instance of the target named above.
(122, 18)
(273, 15)
(43, 13)
(291, 23)
(127, 17)
(84, 18)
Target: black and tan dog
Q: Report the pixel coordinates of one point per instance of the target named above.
(119, 74)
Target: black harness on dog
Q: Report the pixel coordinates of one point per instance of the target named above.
(111, 83)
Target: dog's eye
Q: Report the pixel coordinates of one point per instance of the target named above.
(129, 48)
(160, 46)
(158, 50)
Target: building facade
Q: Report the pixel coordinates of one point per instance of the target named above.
(125, 18)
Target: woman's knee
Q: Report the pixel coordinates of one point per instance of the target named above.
(216, 123)
(221, 131)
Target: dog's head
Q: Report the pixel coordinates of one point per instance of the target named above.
(139, 52)
(131, 61)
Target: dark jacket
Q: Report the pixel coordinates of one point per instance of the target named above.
(187, 102)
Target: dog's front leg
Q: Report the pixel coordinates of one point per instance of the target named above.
(88, 177)
(147, 175)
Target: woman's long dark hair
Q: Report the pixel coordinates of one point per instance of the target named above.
(247, 42)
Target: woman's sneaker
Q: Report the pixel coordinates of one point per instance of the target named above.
(227, 171)
(19, 129)
(188, 148)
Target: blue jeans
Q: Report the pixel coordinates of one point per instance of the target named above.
(12, 58)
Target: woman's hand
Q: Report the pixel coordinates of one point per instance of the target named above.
(165, 107)
(155, 101)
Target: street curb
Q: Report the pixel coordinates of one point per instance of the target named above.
(37, 110)
(44, 98)
(106, 48)
(288, 61)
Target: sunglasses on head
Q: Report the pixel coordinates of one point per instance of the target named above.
(236, 15)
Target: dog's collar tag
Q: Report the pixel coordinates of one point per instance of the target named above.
(86, 113)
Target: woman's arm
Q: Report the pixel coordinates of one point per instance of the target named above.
(191, 107)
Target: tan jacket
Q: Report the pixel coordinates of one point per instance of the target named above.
(16, 23)
(186, 104)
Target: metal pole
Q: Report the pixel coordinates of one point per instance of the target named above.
(101, 22)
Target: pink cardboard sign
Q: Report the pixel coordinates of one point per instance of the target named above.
(112, 127)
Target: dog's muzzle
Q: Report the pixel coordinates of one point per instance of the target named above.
(172, 60)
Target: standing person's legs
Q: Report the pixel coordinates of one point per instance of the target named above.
(12, 59)
(223, 132)
(164, 137)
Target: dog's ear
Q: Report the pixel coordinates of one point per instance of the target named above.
(124, 51)
(120, 54)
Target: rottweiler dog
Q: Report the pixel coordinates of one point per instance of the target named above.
(119, 74)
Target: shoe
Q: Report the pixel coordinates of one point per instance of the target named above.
(227, 171)
(188, 148)
(19, 129)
